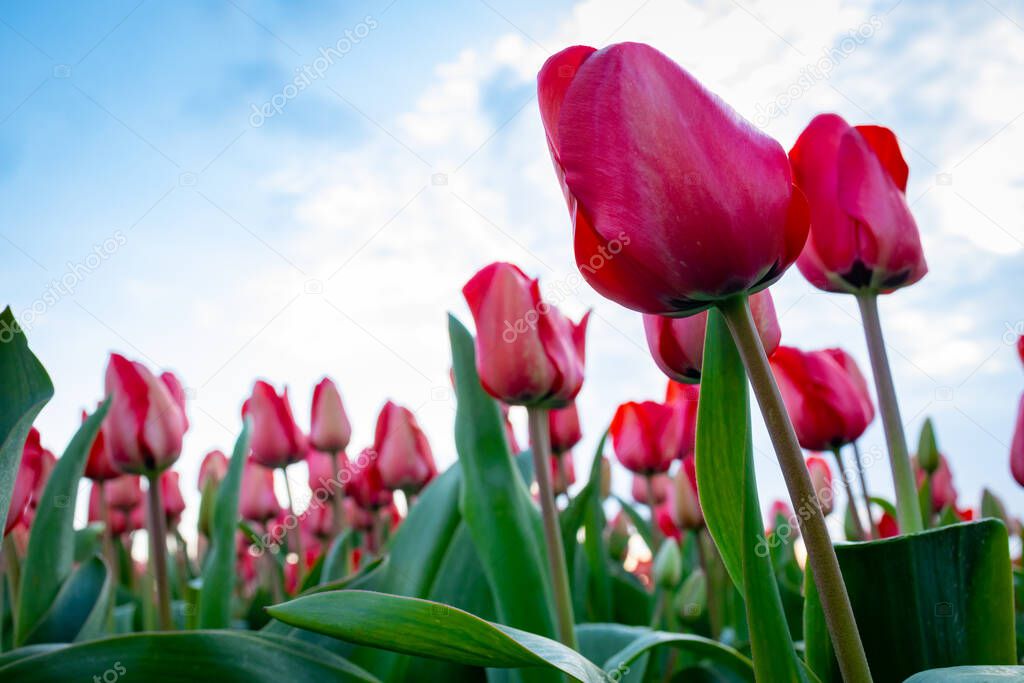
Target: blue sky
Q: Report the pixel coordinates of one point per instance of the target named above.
(332, 236)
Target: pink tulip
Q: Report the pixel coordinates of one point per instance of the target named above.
(318, 521)
(404, 458)
(124, 493)
(677, 344)
(684, 399)
(170, 496)
(213, 468)
(863, 237)
(359, 517)
(146, 420)
(943, 491)
(666, 525)
(30, 473)
(687, 512)
(782, 509)
(646, 436)
(676, 201)
(99, 466)
(1017, 446)
(257, 501)
(564, 427)
(118, 519)
(527, 352)
(821, 480)
(366, 486)
(330, 430)
(563, 473)
(276, 440)
(825, 395)
(662, 485)
(322, 475)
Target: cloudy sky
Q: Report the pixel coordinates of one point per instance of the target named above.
(237, 189)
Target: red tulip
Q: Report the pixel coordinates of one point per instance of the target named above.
(330, 430)
(563, 473)
(213, 468)
(124, 493)
(676, 201)
(780, 508)
(686, 509)
(276, 440)
(667, 526)
(1020, 347)
(318, 521)
(136, 518)
(1017, 446)
(359, 517)
(177, 391)
(47, 462)
(146, 420)
(646, 436)
(943, 491)
(170, 496)
(322, 475)
(257, 501)
(888, 527)
(863, 237)
(825, 395)
(403, 453)
(527, 352)
(99, 466)
(684, 399)
(661, 483)
(30, 473)
(366, 486)
(677, 344)
(821, 479)
(564, 427)
(118, 519)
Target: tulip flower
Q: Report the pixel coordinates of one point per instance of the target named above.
(527, 353)
(943, 492)
(677, 344)
(213, 468)
(360, 518)
(330, 430)
(256, 499)
(661, 484)
(888, 527)
(780, 509)
(124, 493)
(676, 201)
(1020, 347)
(821, 477)
(686, 509)
(277, 440)
(1017, 446)
(646, 436)
(678, 205)
(115, 520)
(366, 486)
(684, 398)
(318, 521)
(404, 459)
(665, 524)
(170, 495)
(564, 427)
(563, 473)
(30, 472)
(146, 420)
(99, 466)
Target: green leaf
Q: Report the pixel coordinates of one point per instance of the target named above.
(700, 648)
(336, 560)
(187, 657)
(26, 388)
(51, 544)
(642, 525)
(87, 541)
(970, 674)
(937, 598)
(218, 583)
(80, 605)
(496, 506)
(431, 629)
(728, 496)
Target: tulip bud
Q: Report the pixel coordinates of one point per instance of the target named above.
(324, 480)
(527, 352)
(686, 510)
(276, 440)
(927, 448)
(659, 483)
(170, 496)
(943, 492)
(213, 468)
(99, 466)
(330, 430)
(692, 599)
(685, 399)
(564, 426)
(780, 516)
(991, 506)
(888, 527)
(30, 472)
(668, 565)
(124, 493)
(257, 501)
(606, 478)
(563, 473)
(404, 459)
(677, 344)
(821, 480)
(618, 537)
(646, 436)
(366, 486)
(146, 420)
(1017, 446)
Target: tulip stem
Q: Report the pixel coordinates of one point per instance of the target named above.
(821, 556)
(108, 550)
(336, 498)
(652, 505)
(294, 532)
(907, 510)
(844, 477)
(864, 489)
(540, 445)
(158, 552)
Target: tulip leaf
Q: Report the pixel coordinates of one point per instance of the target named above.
(79, 609)
(218, 583)
(26, 388)
(51, 543)
(701, 649)
(970, 674)
(495, 503)
(642, 525)
(336, 561)
(432, 629)
(937, 598)
(728, 497)
(186, 657)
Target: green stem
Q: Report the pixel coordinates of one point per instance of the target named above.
(158, 552)
(652, 505)
(337, 499)
(716, 617)
(540, 445)
(113, 562)
(851, 500)
(821, 556)
(907, 511)
(294, 532)
(864, 489)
